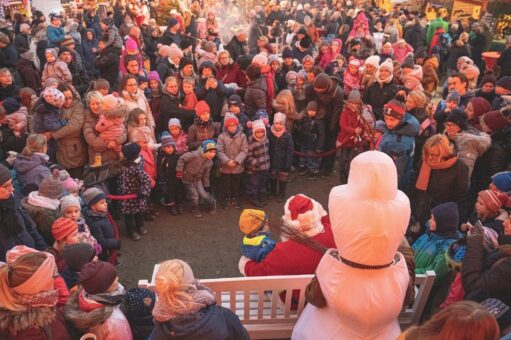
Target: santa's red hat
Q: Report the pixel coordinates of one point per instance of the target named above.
(304, 214)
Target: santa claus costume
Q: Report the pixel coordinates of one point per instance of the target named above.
(364, 283)
(290, 257)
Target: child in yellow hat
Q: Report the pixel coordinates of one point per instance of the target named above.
(256, 243)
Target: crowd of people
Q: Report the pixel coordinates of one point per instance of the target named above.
(99, 106)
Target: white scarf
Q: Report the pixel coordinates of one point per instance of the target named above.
(41, 201)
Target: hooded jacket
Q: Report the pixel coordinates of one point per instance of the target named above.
(31, 169)
(470, 145)
(34, 323)
(210, 323)
(232, 148)
(399, 144)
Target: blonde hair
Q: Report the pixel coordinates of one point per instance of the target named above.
(94, 95)
(461, 320)
(15, 274)
(286, 102)
(35, 143)
(170, 286)
(419, 98)
(440, 142)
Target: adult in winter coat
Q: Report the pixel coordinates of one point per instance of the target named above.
(383, 90)
(237, 46)
(459, 49)
(107, 62)
(442, 177)
(255, 95)
(97, 146)
(169, 106)
(72, 151)
(16, 226)
(486, 275)
(22, 39)
(213, 91)
(135, 98)
(28, 309)
(364, 242)
(329, 95)
(28, 72)
(291, 257)
(415, 35)
(90, 51)
(227, 70)
(185, 309)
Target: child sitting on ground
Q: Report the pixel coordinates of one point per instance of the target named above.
(256, 243)
(110, 125)
(168, 185)
(95, 215)
(180, 137)
(194, 169)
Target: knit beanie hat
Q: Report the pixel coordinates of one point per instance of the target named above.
(505, 82)
(69, 184)
(260, 59)
(53, 97)
(185, 61)
(97, 277)
(380, 126)
(131, 151)
(164, 51)
(312, 106)
(453, 96)
(322, 81)
(185, 44)
(63, 49)
(175, 52)
(51, 187)
(273, 58)
(174, 122)
(494, 121)
(53, 51)
(302, 74)
(480, 105)
(202, 107)
(5, 174)
(11, 105)
(138, 302)
(69, 201)
(354, 96)
(395, 108)
(279, 117)
(387, 65)
(230, 119)
(373, 60)
(208, 145)
(493, 200)
(446, 217)
(172, 22)
(207, 65)
(235, 100)
(305, 42)
(153, 75)
(488, 77)
(287, 53)
(354, 62)
(502, 180)
(257, 125)
(459, 117)
(167, 140)
(131, 46)
(113, 106)
(63, 227)
(93, 195)
(77, 255)
(252, 220)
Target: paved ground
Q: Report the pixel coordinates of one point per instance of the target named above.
(210, 244)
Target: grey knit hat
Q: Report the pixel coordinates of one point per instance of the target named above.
(51, 187)
(69, 201)
(5, 174)
(92, 196)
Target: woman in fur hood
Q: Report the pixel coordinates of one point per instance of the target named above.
(29, 294)
(95, 307)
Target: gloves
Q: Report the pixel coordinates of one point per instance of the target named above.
(179, 174)
(241, 264)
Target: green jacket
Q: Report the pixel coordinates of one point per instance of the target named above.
(438, 22)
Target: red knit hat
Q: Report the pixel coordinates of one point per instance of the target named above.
(493, 200)
(396, 109)
(63, 227)
(201, 107)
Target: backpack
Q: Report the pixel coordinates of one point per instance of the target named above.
(445, 43)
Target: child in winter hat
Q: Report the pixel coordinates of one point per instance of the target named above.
(64, 231)
(501, 181)
(256, 243)
(169, 187)
(75, 256)
(281, 153)
(180, 137)
(138, 306)
(55, 68)
(203, 127)
(110, 126)
(257, 162)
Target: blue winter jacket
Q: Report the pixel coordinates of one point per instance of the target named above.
(399, 144)
(256, 248)
(55, 35)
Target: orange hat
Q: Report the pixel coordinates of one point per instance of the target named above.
(63, 227)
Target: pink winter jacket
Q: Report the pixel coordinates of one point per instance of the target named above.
(400, 54)
(110, 129)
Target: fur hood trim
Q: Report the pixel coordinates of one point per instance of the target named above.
(15, 322)
(85, 320)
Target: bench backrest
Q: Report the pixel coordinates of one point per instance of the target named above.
(256, 299)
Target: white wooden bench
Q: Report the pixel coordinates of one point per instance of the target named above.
(256, 301)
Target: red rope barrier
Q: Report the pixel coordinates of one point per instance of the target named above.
(121, 197)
